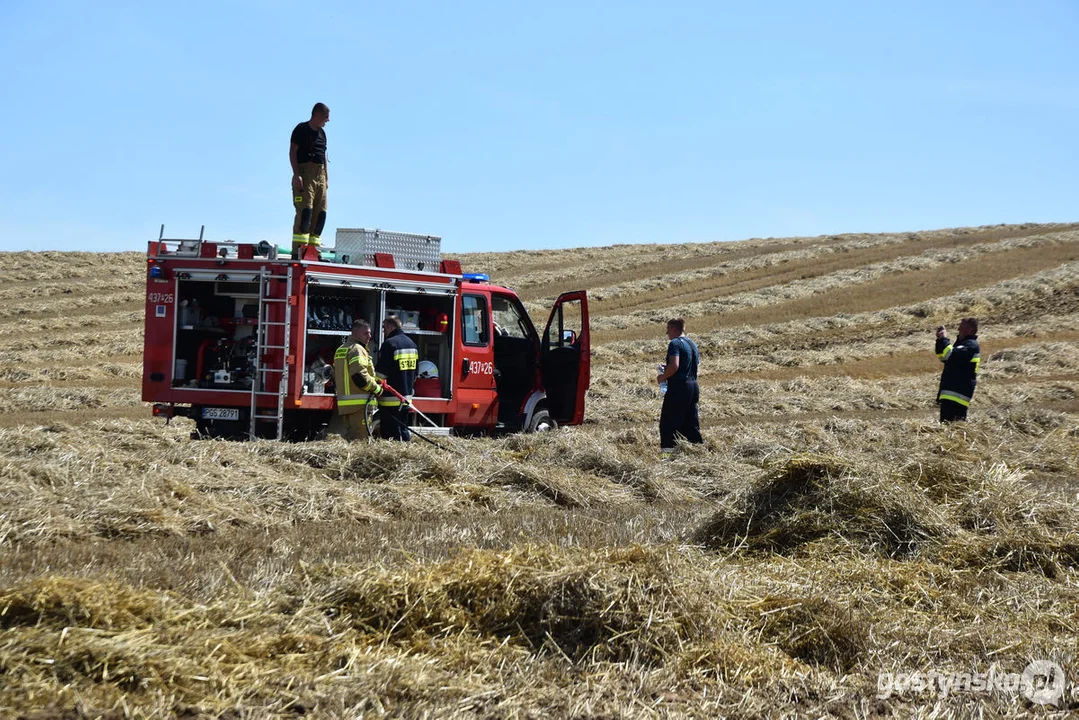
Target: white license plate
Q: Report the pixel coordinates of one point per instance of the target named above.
(220, 413)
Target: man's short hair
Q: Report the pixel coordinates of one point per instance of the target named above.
(678, 324)
(393, 320)
(320, 109)
(360, 324)
(973, 323)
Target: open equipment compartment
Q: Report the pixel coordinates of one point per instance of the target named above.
(328, 322)
(216, 323)
(426, 319)
(332, 308)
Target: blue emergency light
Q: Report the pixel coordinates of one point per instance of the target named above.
(476, 277)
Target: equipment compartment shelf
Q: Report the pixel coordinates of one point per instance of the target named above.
(406, 331)
(208, 328)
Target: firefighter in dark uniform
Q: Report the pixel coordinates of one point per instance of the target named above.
(679, 415)
(310, 180)
(397, 360)
(960, 375)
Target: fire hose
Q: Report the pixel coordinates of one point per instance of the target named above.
(408, 402)
(386, 387)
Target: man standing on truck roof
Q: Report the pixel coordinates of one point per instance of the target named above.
(357, 386)
(397, 360)
(679, 415)
(310, 179)
(960, 374)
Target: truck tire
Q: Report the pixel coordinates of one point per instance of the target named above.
(305, 425)
(541, 422)
(374, 426)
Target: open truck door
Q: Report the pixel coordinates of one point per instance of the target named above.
(566, 357)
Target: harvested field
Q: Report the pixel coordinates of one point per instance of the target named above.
(827, 543)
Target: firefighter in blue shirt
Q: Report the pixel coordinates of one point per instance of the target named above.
(960, 375)
(397, 360)
(679, 415)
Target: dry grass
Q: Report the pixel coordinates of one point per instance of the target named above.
(898, 282)
(828, 530)
(780, 267)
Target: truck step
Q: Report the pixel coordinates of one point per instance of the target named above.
(435, 431)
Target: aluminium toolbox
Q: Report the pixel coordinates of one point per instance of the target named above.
(357, 246)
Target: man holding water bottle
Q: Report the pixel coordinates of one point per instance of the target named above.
(679, 414)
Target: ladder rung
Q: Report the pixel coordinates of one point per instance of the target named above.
(266, 299)
(267, 417)
(271, 347)
(267, 322)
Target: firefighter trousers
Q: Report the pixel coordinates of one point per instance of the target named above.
(310, 204)
(952, 411)
(393, 422)
(356, 427)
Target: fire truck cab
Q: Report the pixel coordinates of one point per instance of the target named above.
(242, 341)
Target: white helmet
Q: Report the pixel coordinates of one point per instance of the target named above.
(426, 369)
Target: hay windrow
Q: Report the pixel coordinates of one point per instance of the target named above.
(62, 602)
(527, 596)
(811, 498)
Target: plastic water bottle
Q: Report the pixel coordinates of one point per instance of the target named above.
(663, 385)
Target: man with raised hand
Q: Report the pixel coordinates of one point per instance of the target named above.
(960, 374)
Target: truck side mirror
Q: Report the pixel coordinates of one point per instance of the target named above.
(568, 337)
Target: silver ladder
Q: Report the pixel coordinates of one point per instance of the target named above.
(266, 304)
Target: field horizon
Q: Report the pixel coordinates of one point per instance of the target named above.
(828, 548)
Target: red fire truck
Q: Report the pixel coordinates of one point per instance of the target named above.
(242, 341)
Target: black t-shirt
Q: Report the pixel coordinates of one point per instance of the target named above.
(311, 144)
(688, 359)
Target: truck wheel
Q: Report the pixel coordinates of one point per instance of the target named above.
(542, 422)
(374, 426)
(304, 425)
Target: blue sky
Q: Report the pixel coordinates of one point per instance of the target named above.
(502, 125)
